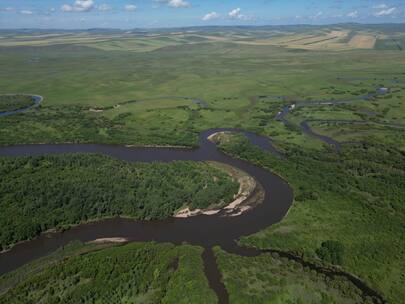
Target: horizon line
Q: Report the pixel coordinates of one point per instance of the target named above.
(203, 26)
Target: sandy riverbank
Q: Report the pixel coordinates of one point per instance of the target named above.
(242, 202)
(219, 137)
(117, 240)
(96, 110)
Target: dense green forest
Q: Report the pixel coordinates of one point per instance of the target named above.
(76, 124)
(40, 193)
(348, 210)
(14, 102)
(270, 279)
(136, 273)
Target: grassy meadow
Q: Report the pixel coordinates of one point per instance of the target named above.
(98, 88)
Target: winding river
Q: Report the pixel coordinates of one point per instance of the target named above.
(305, 126)
(205, 231)
(36, 101)
(202, 230)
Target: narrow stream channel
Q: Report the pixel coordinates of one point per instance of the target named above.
(36, 101)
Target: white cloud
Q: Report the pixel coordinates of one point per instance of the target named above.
(353, 14)
(84, 5)
(130, 8)
(79, 6)
(173, 3)
(380, 6)
(235, 13)
(66, 8)
(211, 16)
(179, 3)
(389, 11)
(318, 15)
(26, 12)
(7, 9)
(104, 7)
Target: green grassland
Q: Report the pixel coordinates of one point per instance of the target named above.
(136, 273)
(42, 193)
(363, 132)
(226, 76)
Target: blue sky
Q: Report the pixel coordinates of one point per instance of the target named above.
(70, 14)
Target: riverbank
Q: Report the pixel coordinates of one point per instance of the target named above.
(113, 240)
(241, 201)
(220, 137)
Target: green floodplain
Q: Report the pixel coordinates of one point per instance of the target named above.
(163, 88)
